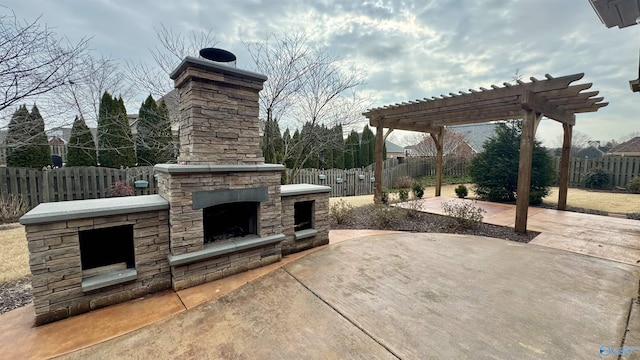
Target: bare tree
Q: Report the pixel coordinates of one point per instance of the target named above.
(307, 88)
(33, 60)
(579, 141)
(455, 148)
(172, 49)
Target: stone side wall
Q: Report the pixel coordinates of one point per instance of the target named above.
(57, 271)
(320, 222)
(218, 118)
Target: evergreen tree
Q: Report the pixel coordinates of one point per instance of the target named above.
(352, 151)
(495, 171)
(26, 142)
(367, 146)
(294, 145)
(166, 152)
(338, 149)
(115, 144)
(153, 138)
(287, 141)
(272, 143)
(41, 151)
(81, 150)
(18, 138)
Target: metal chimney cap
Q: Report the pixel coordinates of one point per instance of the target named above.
(218, 55)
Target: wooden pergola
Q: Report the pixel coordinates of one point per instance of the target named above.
(554, 98)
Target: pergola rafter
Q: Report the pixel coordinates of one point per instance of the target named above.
(554, 98)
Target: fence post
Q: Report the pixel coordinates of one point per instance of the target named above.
(44, 186)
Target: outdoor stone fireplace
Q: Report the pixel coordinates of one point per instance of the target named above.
(219, 211)
(225, 202)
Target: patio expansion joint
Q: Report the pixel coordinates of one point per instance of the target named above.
(626, 324)
(379, 342)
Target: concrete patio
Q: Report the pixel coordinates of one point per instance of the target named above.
(393, 295)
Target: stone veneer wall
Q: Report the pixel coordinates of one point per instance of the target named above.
(187, 225)
(320, 195)
(57, 272)
(218, 113)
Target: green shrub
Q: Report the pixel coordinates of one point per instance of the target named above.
(383, 217)
(385, 197)
(634, 185)
(464, 215)
(403, 182)
(418, 190)
(495, 171)
(341, 212)
(120, 188)
(403, 194)
(461, 191)
(535, 197)
(597, 178)
(12, 208)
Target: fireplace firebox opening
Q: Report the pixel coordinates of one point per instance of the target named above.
(231, 220)
(108, 248)
(303, 215)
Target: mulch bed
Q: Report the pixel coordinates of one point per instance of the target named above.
(15, 294)
(372, 217)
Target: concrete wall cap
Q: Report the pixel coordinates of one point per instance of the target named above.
(303, 189)
(214, 67)
(82, 209)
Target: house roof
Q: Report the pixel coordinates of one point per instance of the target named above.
(395, 148)
(590, 152)
(631, 146)
(475, 134)
(620, 13)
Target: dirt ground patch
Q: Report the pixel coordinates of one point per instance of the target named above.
(579, 198)
(14, 254)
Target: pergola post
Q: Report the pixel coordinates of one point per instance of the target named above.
(564, 166)
(529, 126)
(438, 139)
(377, 191)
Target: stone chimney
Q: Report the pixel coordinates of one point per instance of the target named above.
(219, 111)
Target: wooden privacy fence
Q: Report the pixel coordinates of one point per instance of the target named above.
(621, 168)
(72, 183)
(354, 182)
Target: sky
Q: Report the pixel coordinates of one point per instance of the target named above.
(409, 49)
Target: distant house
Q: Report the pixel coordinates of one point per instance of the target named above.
(469, 141)
(394, 151)
(58, 150)
(627, 148)
(592, 151)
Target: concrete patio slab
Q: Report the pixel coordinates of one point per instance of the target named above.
(452, 297)
(19, 339)
(273, 317)
(408, 296)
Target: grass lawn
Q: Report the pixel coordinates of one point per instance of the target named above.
(14, 254)
(579, 198)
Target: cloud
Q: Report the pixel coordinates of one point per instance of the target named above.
(410, 49)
